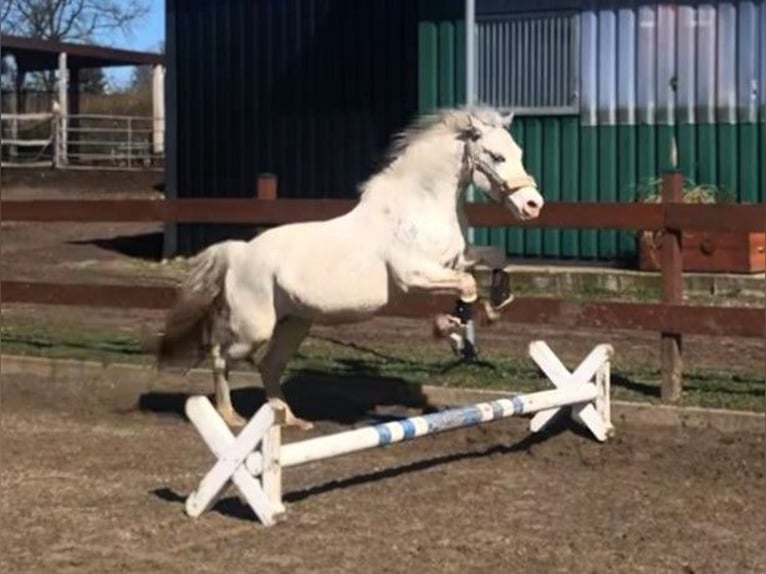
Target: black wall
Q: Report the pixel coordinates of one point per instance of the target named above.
(310, 90)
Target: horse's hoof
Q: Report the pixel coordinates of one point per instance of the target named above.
(493, 312)
(446, 325)
(288, 418)
(456, 344)
(303, 425)
(500, 289)
(470, 297)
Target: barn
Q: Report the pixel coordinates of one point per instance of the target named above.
(608, 95)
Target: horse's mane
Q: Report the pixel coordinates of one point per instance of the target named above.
(453, 120)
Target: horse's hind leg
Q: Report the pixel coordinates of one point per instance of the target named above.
(222, 391)
(287, 337)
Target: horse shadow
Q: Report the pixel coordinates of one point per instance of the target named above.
(629, 384)
(344, 399)
(144, 246)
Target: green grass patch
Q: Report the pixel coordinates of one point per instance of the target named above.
(409, 363)
(93, 345)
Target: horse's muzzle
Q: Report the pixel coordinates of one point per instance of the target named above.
(525, 201)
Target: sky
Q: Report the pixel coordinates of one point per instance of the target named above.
(146, 36)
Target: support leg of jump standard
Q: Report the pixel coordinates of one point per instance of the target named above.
(231, 453)
(254, 460)
(595, 368)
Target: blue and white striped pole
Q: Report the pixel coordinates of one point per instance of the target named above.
(346, 442)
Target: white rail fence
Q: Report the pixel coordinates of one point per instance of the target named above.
(82, 141)
(28, 140)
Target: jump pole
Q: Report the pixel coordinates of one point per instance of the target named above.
(254, 460)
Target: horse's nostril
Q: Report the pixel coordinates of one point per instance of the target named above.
(532, 204)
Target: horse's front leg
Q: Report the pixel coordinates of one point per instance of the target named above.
(417, 274)
(428, 276)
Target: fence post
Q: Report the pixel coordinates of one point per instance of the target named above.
(63, 95)
(267, 186)
(672, 292)
(130, 142)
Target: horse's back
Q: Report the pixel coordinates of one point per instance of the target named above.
(327, 271)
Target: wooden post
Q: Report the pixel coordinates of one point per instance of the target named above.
(158, 111)
(672, 292)
(271, 476)
(63, 126)
(73, 99)
(267, 186)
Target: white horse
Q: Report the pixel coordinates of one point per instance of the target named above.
(256, 300)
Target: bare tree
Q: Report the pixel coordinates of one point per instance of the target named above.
(73, 20)
(5, 9)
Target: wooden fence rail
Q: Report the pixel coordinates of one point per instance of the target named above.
(689, 319)
(629, 216)
(670, 317)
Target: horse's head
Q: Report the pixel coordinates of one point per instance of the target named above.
(493, 162)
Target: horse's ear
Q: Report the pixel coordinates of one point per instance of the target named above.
(472, 132)
(463, 123)
(507, 118)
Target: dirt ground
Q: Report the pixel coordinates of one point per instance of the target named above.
(94, 476)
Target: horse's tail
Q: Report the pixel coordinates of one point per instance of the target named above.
(189, 324)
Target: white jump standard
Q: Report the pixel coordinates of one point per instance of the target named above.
(254, 459)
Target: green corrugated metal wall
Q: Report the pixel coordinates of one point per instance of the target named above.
(589, 163)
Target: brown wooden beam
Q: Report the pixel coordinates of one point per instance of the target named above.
(739, 218)
(88, 295)
(631, 216)
(718, 217)
(742, 218)
(569, 314)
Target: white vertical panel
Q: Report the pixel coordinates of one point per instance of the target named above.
(470, 51)
(666, 64)
(588, 62)
(726, 70)
(557, 40)
(536, 51)
(626, 66)
(646, 60)
(762, 53)
(706, 63)
(515, 57)
(505, 50)
(573, 82)
(686, 89)
(482, 64)
(747, 62)
(543, 62)
(492, 58)
(607, 67)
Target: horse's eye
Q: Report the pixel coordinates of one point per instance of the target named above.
(496, 157)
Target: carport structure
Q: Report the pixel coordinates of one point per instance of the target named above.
(37, 55)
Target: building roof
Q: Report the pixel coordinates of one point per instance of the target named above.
(32, 54)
